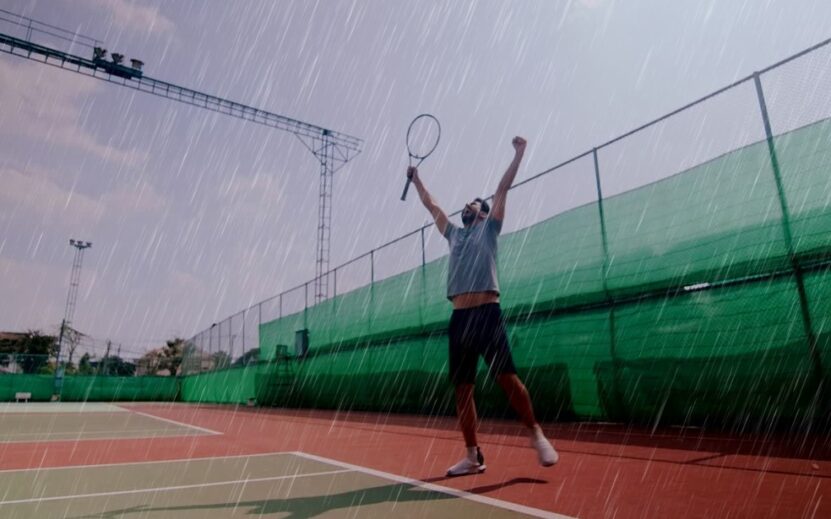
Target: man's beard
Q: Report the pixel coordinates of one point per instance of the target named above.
(468, 217)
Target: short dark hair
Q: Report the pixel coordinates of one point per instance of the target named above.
(484, 206)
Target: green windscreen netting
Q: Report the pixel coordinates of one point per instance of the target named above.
(82, 388)
(693, 317)
(235, 385)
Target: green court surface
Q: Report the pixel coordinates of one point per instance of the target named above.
(38, 422)
(60, 407)
(286, 485)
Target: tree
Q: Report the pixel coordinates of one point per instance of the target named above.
(32, 348)
(85, 366)
(150, 362)
(172, 355)
(249, 357)
(71, 339)
(221, 360)
(113, 365)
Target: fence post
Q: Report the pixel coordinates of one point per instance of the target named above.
(333, 311)
(305, 304)
(259, 327)
(423, 252)
(210, 342)
(423, 300)
(371, 291)
(616, 383)
(813, 350)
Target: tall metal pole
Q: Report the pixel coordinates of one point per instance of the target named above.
(332, 148)
(616, 382)
(69, 311)
(244, 315)
(813, 347)
(423, 295)
(324, 220)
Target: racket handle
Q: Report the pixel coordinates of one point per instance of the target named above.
(406, 188)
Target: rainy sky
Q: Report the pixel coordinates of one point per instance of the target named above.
(195, 215)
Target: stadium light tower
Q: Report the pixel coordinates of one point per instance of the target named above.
(71, 297)
(332, 149)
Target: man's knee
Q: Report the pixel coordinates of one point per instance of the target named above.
(510, 382)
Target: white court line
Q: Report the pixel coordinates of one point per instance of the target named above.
(347, 467)
(89, 435)
(35, 408)
(123, 409)
(175, 460)
(536, 512)
(71, 433)
(167, 489)
(182, 424)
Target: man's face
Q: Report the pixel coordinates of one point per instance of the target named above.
(471, 212)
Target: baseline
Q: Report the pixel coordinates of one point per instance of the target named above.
(505, 505)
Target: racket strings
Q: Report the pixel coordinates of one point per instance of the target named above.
(423, 136)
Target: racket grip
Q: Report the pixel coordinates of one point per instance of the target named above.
(406, 188)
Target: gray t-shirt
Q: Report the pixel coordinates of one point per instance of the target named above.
(472, 265)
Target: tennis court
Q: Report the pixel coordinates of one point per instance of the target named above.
(85, 421)
(662, 281)
(282, 484)
(187, 460)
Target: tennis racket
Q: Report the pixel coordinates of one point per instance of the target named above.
(422, 138)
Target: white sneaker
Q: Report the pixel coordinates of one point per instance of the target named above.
(468, 466)
(545, 451)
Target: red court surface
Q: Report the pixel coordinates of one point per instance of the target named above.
(604, 470)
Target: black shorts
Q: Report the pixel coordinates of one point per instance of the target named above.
(474, 332)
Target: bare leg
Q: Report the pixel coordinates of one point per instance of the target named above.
(519, 398)
(466, 411)
(521, 402)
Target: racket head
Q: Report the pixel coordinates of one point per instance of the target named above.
(423, 136)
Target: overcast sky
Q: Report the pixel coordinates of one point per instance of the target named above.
(194, 216)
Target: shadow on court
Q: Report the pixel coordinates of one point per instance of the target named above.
(306, 507)
(300, 507)
(484, 489)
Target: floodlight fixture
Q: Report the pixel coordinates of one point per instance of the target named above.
(80, 244)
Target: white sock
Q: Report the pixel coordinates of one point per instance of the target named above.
(472, 454)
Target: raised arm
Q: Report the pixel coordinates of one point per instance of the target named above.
(501, 195)
(435, 211)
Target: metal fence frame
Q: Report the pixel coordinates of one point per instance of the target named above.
(797, 270)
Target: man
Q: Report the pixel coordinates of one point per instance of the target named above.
(476, 325)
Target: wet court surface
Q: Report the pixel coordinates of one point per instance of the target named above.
(73, 422)
(154, 460)
(291, 485)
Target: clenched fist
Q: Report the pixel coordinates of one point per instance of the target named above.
(519, 144)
